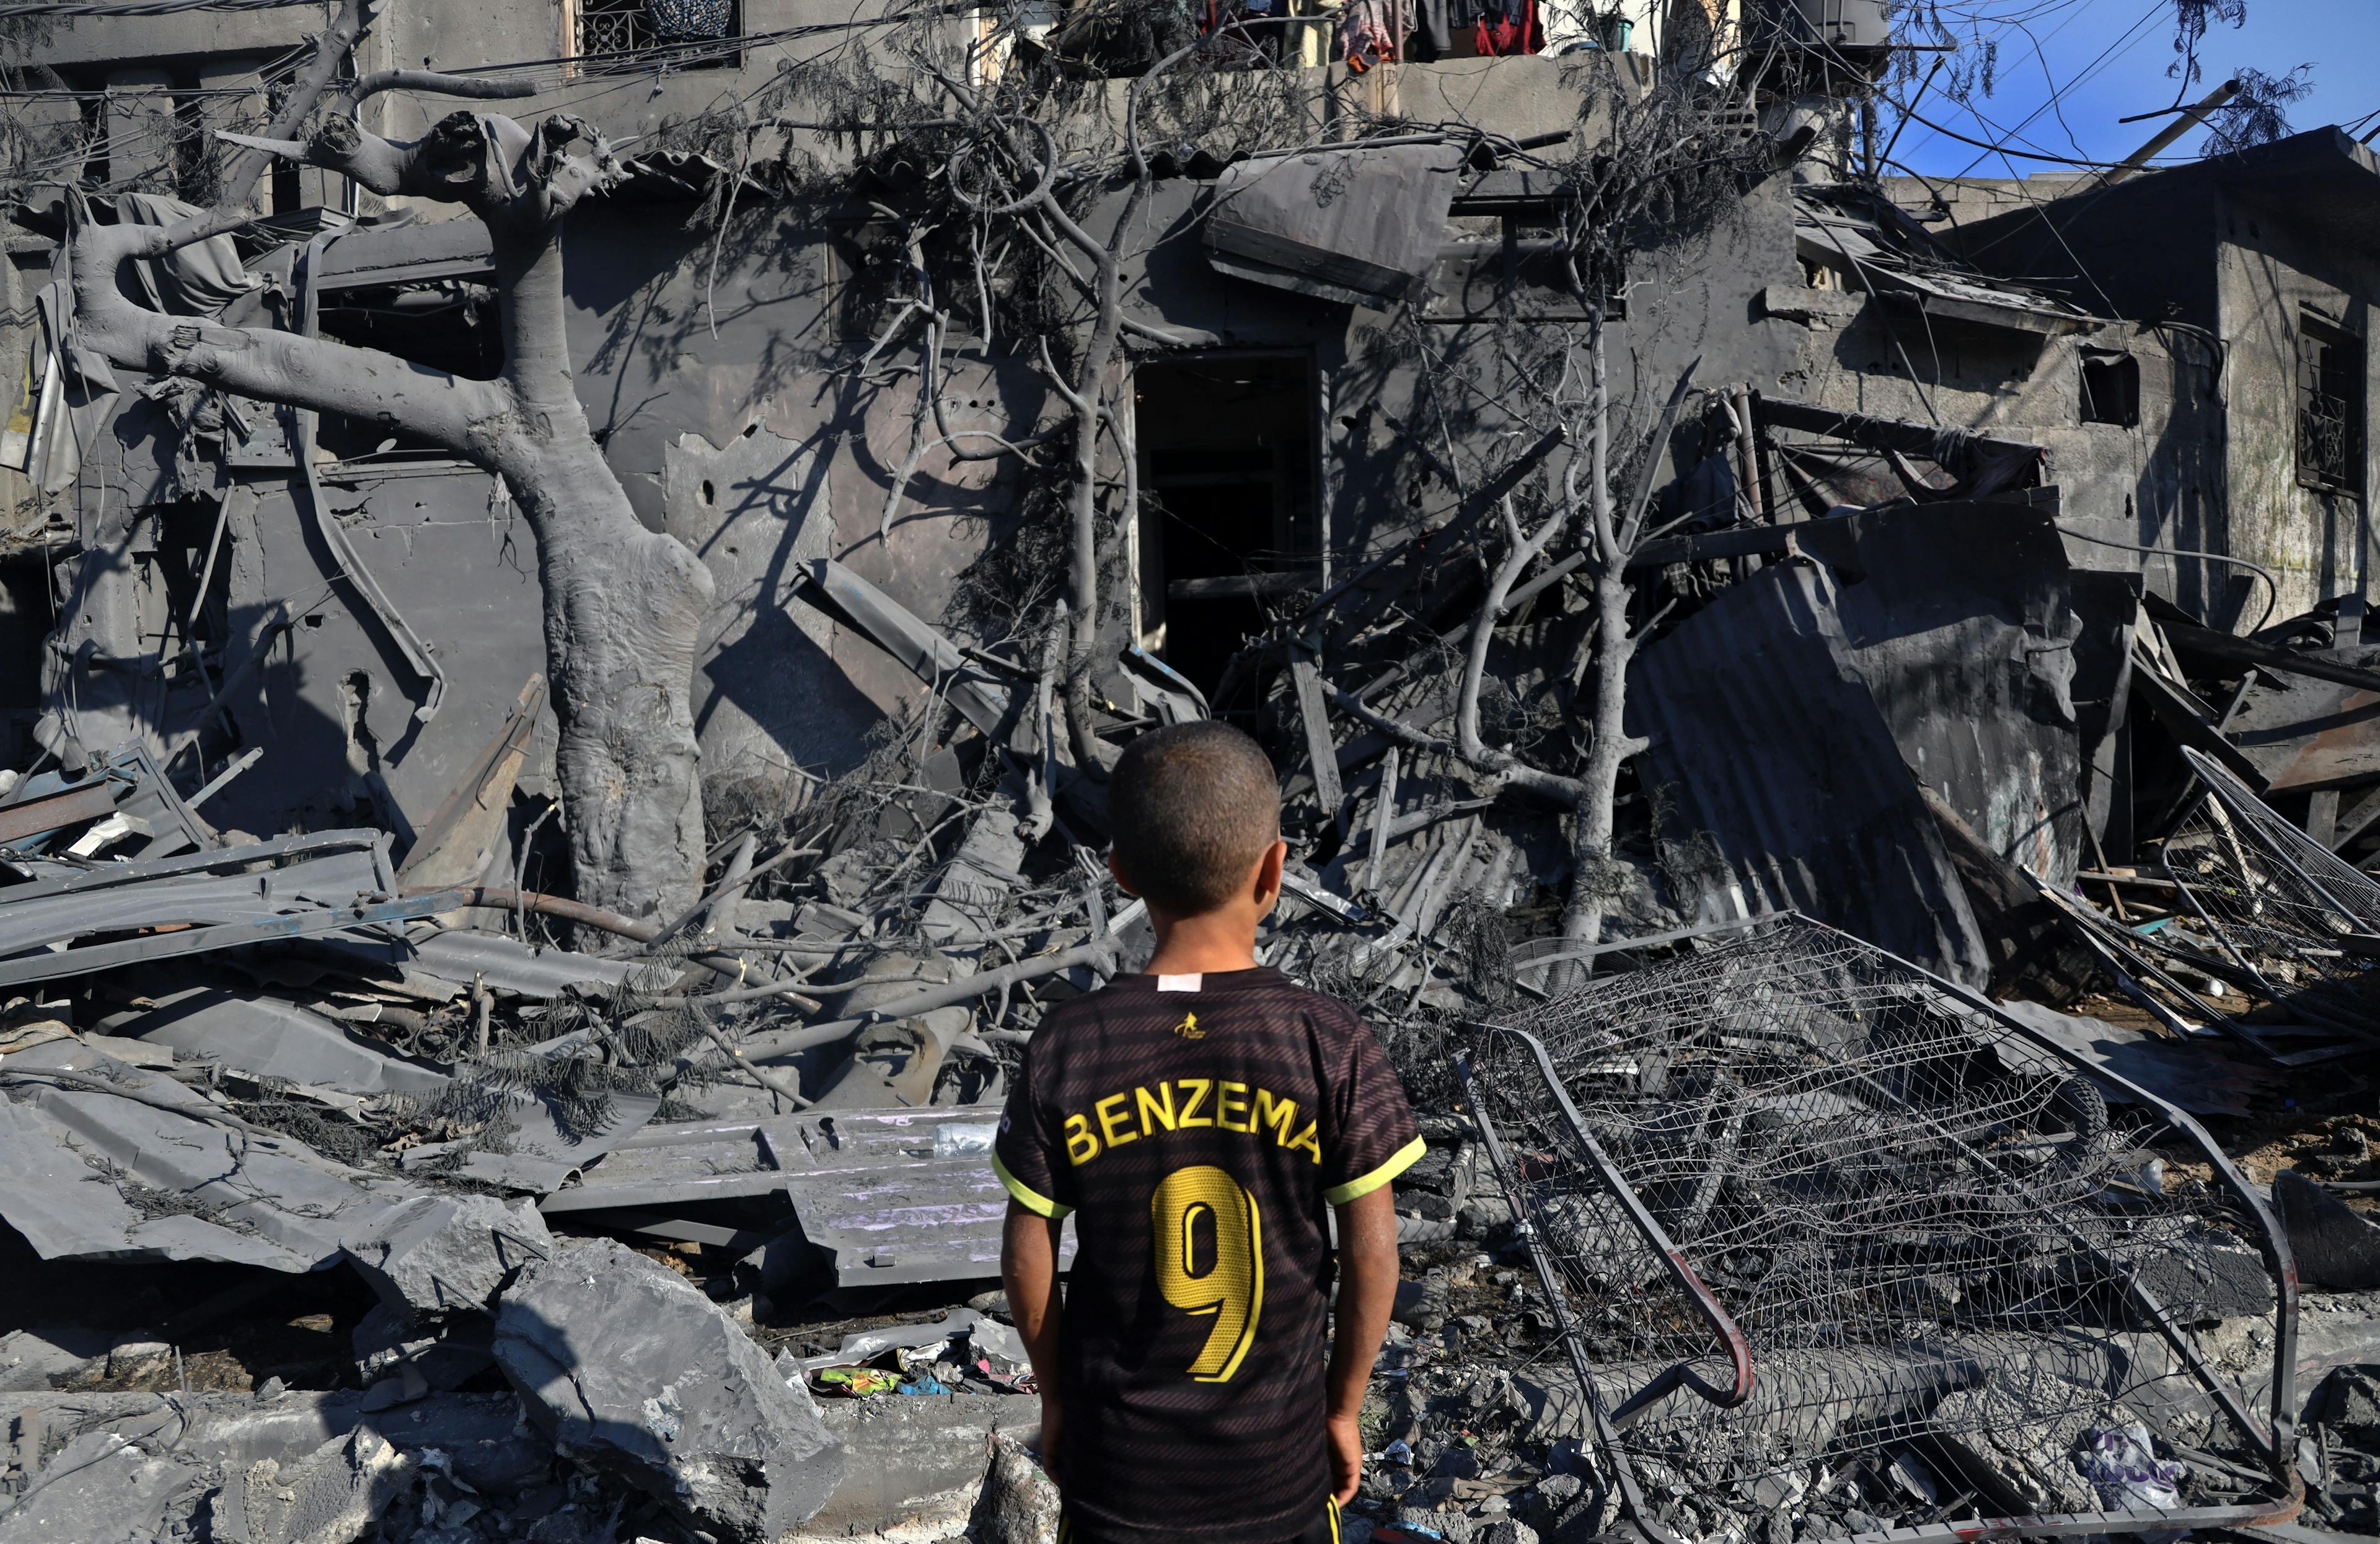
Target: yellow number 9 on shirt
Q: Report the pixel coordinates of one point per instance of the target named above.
(1226, 1279)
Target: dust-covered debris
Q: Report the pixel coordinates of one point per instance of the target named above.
(1941, 905)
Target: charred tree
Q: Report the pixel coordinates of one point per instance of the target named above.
(1659, 166)
(623, 604)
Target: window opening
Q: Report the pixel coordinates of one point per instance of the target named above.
(2111, 389)
(2330, 407)
(1230, 529)
(601, 27)
(448, 324)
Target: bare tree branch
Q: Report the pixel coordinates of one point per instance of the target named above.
(265, 363)
(478, 87)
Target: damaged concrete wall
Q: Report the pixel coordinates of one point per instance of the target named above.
(2234, 248)
(2273, 278)
(2157, 482)
(755, 446)
(303, 663)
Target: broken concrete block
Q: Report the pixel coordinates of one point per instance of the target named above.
(625, 1364)
(332, 1496)
(134, 1352)
(1019, 1504)
(2210, 1280)
(30, 1358)
(461, 1348)
(401, 1387)
(2349, 1399)
(1420, 1306)
(1447, 1523)
(100, 1488)
(440, 1253)
(1482, 1218)
(2334, 1247)
(925, 1471)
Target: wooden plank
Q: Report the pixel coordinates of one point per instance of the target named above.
(2359, 819)
(2343, 748)
(1320, 749)
(2228, 649)
(88, 801)
(1245, 587)
(2188, 721)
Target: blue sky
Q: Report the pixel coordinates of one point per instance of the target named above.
(2068, 69)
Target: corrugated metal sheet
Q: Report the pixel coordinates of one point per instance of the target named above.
(77, 922)
(1354, 225)
(1785, 773)
(1959, 618)
(463, 954)
(871, 1189)
(92, 1177)
(1799, 712)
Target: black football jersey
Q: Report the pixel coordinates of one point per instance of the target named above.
(1199, 1129)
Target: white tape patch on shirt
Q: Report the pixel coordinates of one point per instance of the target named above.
(1179, 984)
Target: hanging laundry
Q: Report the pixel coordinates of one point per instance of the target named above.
(1373, 31)
(1510, 27)
(1439, 19)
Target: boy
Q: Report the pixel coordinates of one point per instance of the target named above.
(1196, 1121)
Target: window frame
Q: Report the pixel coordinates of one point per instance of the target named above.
(630, 52)
(2329, 355)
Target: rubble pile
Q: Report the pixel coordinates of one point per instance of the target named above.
(1733, 1226)
(1890, 991)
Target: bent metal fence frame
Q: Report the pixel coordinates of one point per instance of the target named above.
(1805, 1211)
(2300, 924)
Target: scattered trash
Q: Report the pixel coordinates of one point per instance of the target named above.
(856, 1383)
(2125, 1471)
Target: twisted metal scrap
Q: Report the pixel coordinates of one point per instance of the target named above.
(2301, 922)
(1928, 1224)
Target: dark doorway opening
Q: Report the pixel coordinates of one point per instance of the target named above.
(1230, 531)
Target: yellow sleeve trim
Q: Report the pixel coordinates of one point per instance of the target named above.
(1340, 1195)
(1029, 1198)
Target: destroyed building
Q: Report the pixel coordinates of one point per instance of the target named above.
(1826, 727)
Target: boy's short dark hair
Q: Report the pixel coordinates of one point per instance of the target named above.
(1191, 808)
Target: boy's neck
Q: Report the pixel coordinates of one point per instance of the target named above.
(1210, 944)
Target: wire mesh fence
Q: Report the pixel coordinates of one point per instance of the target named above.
(2300, 921)
(1821, 1225)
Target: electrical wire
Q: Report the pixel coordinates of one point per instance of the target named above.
(2003, 150)
(2123, 44)
(2272, 586)
(2123, 41)
(139, 7)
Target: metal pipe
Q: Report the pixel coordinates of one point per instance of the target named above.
(2190, 118)
(1556, 1302)
(1674, 1261)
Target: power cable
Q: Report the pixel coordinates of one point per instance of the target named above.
(2003, 150)
(2123, 44)
(138, 7)
(2272, 586)
(2123, 40)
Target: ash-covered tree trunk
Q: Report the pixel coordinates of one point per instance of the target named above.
(624, 609)
(622, 606)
